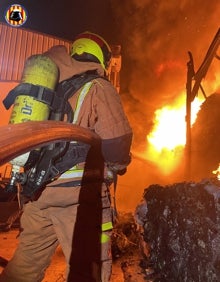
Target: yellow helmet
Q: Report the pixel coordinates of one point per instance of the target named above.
(91, 47)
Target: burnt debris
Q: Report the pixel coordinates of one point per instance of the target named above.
(181, 227)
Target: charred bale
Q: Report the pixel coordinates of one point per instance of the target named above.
(181, 225)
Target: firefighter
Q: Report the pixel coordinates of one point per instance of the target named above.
(75, 210)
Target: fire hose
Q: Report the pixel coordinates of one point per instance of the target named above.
(17, 139)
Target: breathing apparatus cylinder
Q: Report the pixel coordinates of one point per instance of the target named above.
(38, 70)
(41, 71)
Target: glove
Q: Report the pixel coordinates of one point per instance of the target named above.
(118, 168)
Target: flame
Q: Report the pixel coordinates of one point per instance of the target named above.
(167, 139)
(170, 127)
(217, 172)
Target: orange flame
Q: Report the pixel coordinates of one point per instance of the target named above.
(167, 139)
(170, 127)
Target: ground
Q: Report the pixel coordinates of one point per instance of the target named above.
(126, 252)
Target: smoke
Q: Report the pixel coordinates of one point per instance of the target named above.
(156, 37)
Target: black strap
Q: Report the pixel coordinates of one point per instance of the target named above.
(38, 92)
(47, 168)
(56, 100)
(68, 87)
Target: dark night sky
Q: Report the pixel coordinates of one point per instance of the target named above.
(66, 18)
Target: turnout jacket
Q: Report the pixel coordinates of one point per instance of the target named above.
(101, 110)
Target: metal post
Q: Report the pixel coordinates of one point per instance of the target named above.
(188, 151)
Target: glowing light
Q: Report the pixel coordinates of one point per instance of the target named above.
(170, 126)
(167, 139)
(168, 131)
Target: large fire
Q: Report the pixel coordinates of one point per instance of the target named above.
(165, 143)
(170, 124)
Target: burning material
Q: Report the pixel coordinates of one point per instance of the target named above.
(166, 141)
(217, 172)
(170, 128)
(181, 228)
(169, 142)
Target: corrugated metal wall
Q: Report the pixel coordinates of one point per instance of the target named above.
(16, 44)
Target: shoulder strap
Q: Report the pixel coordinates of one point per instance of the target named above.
(67, 88)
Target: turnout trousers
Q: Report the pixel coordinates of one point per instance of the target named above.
(80, 220)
